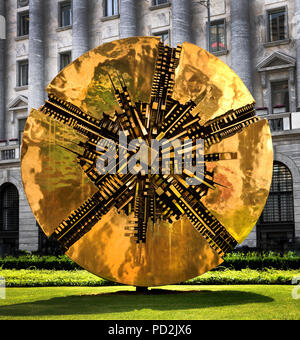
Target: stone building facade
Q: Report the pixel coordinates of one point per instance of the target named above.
(259, 39)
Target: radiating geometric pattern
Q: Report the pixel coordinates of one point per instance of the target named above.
(148, 200)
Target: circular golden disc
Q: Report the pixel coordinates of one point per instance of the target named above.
(146, 230)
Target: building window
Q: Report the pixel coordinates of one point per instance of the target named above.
(159, 2)
(21, 128)
(65, 14)
(280, 96)
(217, 36)
(277, 25)
(111, 8)
(276, 226)
(9, 219)
(164, 37)
(22, 73)
(9, 212)
(64, 59)
(23, 24)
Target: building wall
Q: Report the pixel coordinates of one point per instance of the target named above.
(149, 20)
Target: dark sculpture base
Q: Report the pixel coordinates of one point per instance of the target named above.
(143, 290)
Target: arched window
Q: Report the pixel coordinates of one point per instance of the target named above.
(9, 219)
(276, 227)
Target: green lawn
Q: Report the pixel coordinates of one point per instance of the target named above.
(164, 303)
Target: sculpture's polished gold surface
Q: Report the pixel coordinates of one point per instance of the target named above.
(150, 227)
(210, 83)
(84, 83)
(172, 253)
(45, 163)
(246, 180)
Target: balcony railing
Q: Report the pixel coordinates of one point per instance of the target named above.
(9, 150)
(280, 122)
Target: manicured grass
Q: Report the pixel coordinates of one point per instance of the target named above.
(42, 278)
(265, 302)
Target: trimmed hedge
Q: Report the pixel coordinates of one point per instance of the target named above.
(234, 261)
(259, 261)
(52, 278)
(245, 277)
(61, 262)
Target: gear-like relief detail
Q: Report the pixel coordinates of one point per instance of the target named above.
(158, 194)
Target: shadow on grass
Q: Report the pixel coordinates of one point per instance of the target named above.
(126, 301)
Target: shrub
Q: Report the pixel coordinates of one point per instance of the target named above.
(245, 276)
(61, 262)
(51, 278)
(255, 260)
(235, 261)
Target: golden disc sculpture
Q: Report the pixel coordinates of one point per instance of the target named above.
(149, 227)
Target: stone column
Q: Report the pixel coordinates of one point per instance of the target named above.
(297, 40)
(241, 41)
(181, 21)
(36, 89)
(128, 24)
(2, 77)
(80, 28)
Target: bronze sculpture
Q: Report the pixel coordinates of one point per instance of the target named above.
(151, 227)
